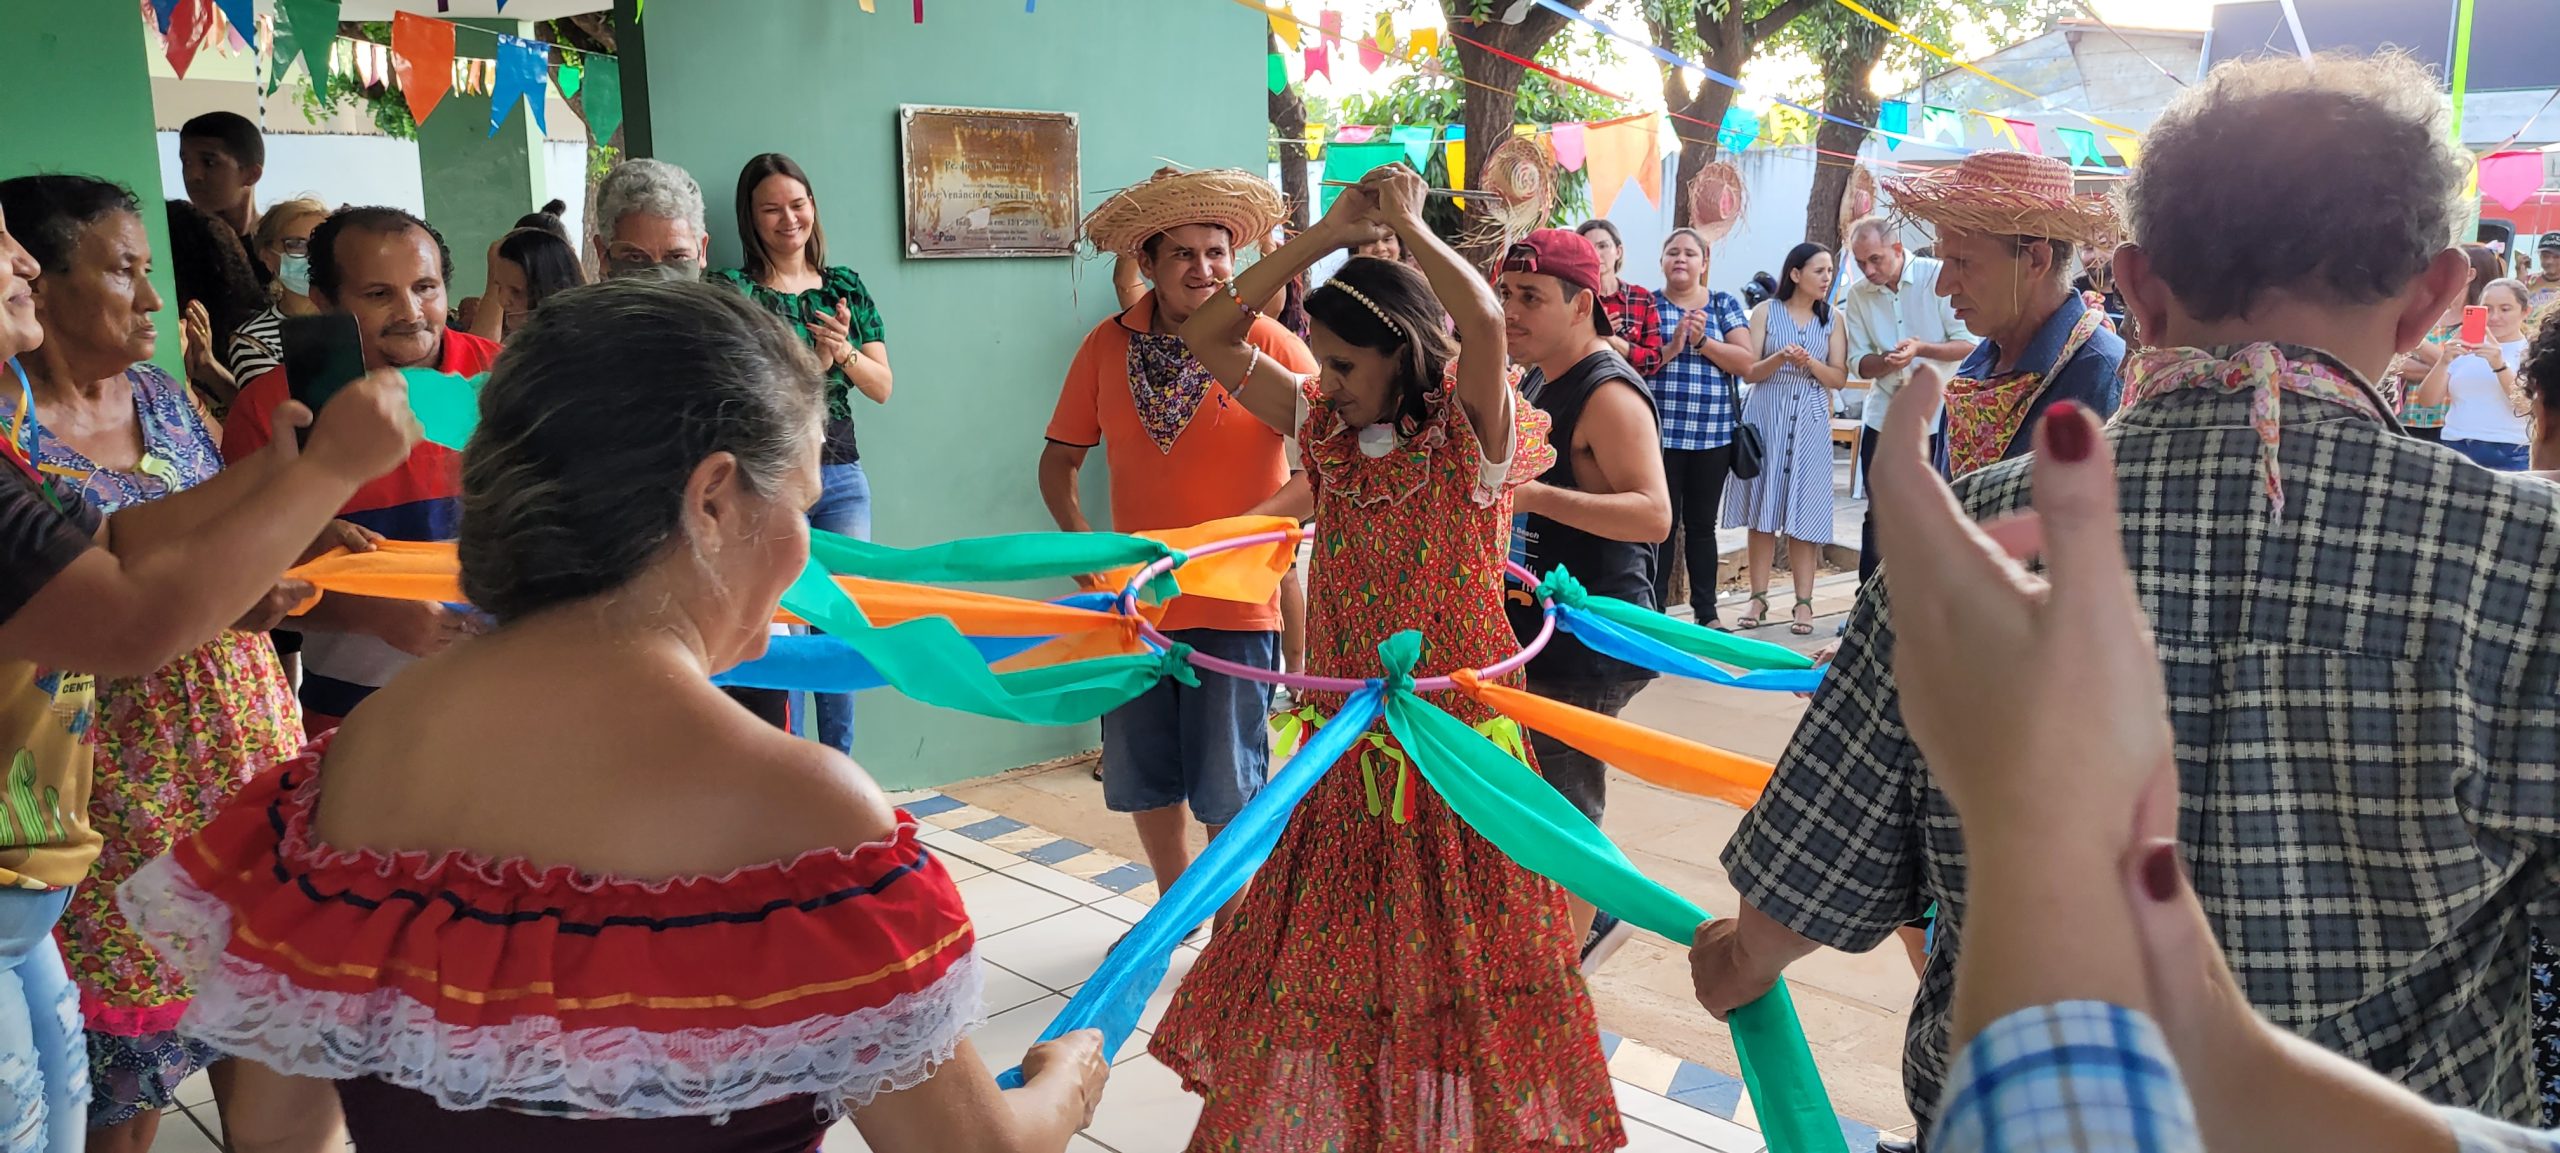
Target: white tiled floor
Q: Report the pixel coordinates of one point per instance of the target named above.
(1041, 934)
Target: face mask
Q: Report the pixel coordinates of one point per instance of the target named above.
(295, 275)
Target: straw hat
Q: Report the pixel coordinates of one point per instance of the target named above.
(1244, 204)
(1521, 175)
(1717, 200)
(2008, 194)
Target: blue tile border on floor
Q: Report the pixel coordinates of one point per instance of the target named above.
(1700, 1087)
(1056, 851)
(928, 806)
(1124, 878)
(990, 829)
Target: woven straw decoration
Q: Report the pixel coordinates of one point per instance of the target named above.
(1716, 200)
(1521, 175)
(1860, 199)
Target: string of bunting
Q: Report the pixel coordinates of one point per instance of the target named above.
(420, 61)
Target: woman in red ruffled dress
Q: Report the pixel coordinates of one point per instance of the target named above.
(1391, 980)
(551, 890)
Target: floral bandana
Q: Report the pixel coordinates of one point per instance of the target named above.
(1167, 384)
(1984, 415)
(2266, 372)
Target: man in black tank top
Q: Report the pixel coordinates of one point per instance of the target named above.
(1597, 513)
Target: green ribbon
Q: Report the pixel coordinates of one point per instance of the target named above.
(1688, 637)
(1013, 556)
(928, 659)
(447, 406)
(1511, 806)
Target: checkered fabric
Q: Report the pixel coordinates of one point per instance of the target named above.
(1697, 401)
(2084, 1076)
(2368, 739)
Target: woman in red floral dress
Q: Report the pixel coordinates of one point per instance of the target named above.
(1391, 980)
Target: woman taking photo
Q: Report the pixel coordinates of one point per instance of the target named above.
(173, 745)
(1804, 357)
(2481, 385)
(526, 266)
(786, 271)
(631, 517)
(1635, 330)
(1697, 392)
(282, 243)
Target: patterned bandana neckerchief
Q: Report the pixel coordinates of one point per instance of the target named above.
(2266, 372)
(1167, 384)
(1983, 416)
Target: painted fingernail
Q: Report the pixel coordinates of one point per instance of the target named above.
(2162, 874)
(2067, 429)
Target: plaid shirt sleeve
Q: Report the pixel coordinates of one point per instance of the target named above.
(1640, 324)
(1834, 848)
(1729, 313)
(2084, 1076)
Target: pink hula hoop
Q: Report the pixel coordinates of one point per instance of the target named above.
(1300, 682)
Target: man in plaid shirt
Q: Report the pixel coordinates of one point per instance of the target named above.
(2359, 631)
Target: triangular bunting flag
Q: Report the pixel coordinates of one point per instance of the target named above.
(280, 53)
(1417, 143)
(2029, 140)
(1330, 23)
(1370, 56)
(572, 76)
(1316, 62)
(2082, 145)
(1942, 125)
(1286, 27)
(314, 25)
(2510, 178)
(2128, 148)
(1457, 147)
(1618, 151)
(422, 60)
(1315, 141)
(242, 15)
(1565, 140)
(163, 11)
(1355, 134)
(1277, 79)
(188, 25)
(1349, 161)
(604, 98)
(1385, 34)
(522, 65)
(1423, 44)
(1894, 118)
(1740, 130)
(1999, 128)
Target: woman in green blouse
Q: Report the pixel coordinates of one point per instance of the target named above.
(786, 271)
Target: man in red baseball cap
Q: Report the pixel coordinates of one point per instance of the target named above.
(1598, 513)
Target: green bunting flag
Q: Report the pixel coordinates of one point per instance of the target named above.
(314, 25)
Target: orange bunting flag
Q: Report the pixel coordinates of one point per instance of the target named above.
(422, 60)
(1656, 758)
(1615, 152)
(1424, 43)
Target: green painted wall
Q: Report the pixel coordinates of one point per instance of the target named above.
(99, 126)
(479, 185)
(979, 346)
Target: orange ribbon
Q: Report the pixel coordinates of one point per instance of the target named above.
(1657, 758)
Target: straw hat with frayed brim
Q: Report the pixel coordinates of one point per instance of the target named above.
(2008, 194)
(1244, 204)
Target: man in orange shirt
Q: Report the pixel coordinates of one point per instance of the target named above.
(1179, 451)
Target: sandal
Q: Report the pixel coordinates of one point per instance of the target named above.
(1751, 619)
(1803, 628)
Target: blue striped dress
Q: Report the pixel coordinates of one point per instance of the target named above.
(1792, 495)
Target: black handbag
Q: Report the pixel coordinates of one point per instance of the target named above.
(1748, 452)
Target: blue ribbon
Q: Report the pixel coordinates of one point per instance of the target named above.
(1607, 639)
(1117, 993)
(819, 663)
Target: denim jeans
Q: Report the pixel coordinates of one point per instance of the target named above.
(843, 508)
(44, 1057)
(2491, 454)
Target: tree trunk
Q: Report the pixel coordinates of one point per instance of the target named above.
(1489, 105)
(1847, 95)
(1289, 123)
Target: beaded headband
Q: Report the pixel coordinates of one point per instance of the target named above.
(1372, 306)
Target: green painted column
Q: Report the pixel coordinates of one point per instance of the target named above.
(477, 185)
(110, 135)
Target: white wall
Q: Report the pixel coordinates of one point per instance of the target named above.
(342, 170)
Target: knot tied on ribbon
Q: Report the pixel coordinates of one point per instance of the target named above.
(1399, 653)
(1561, 587)
(1176, 663)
